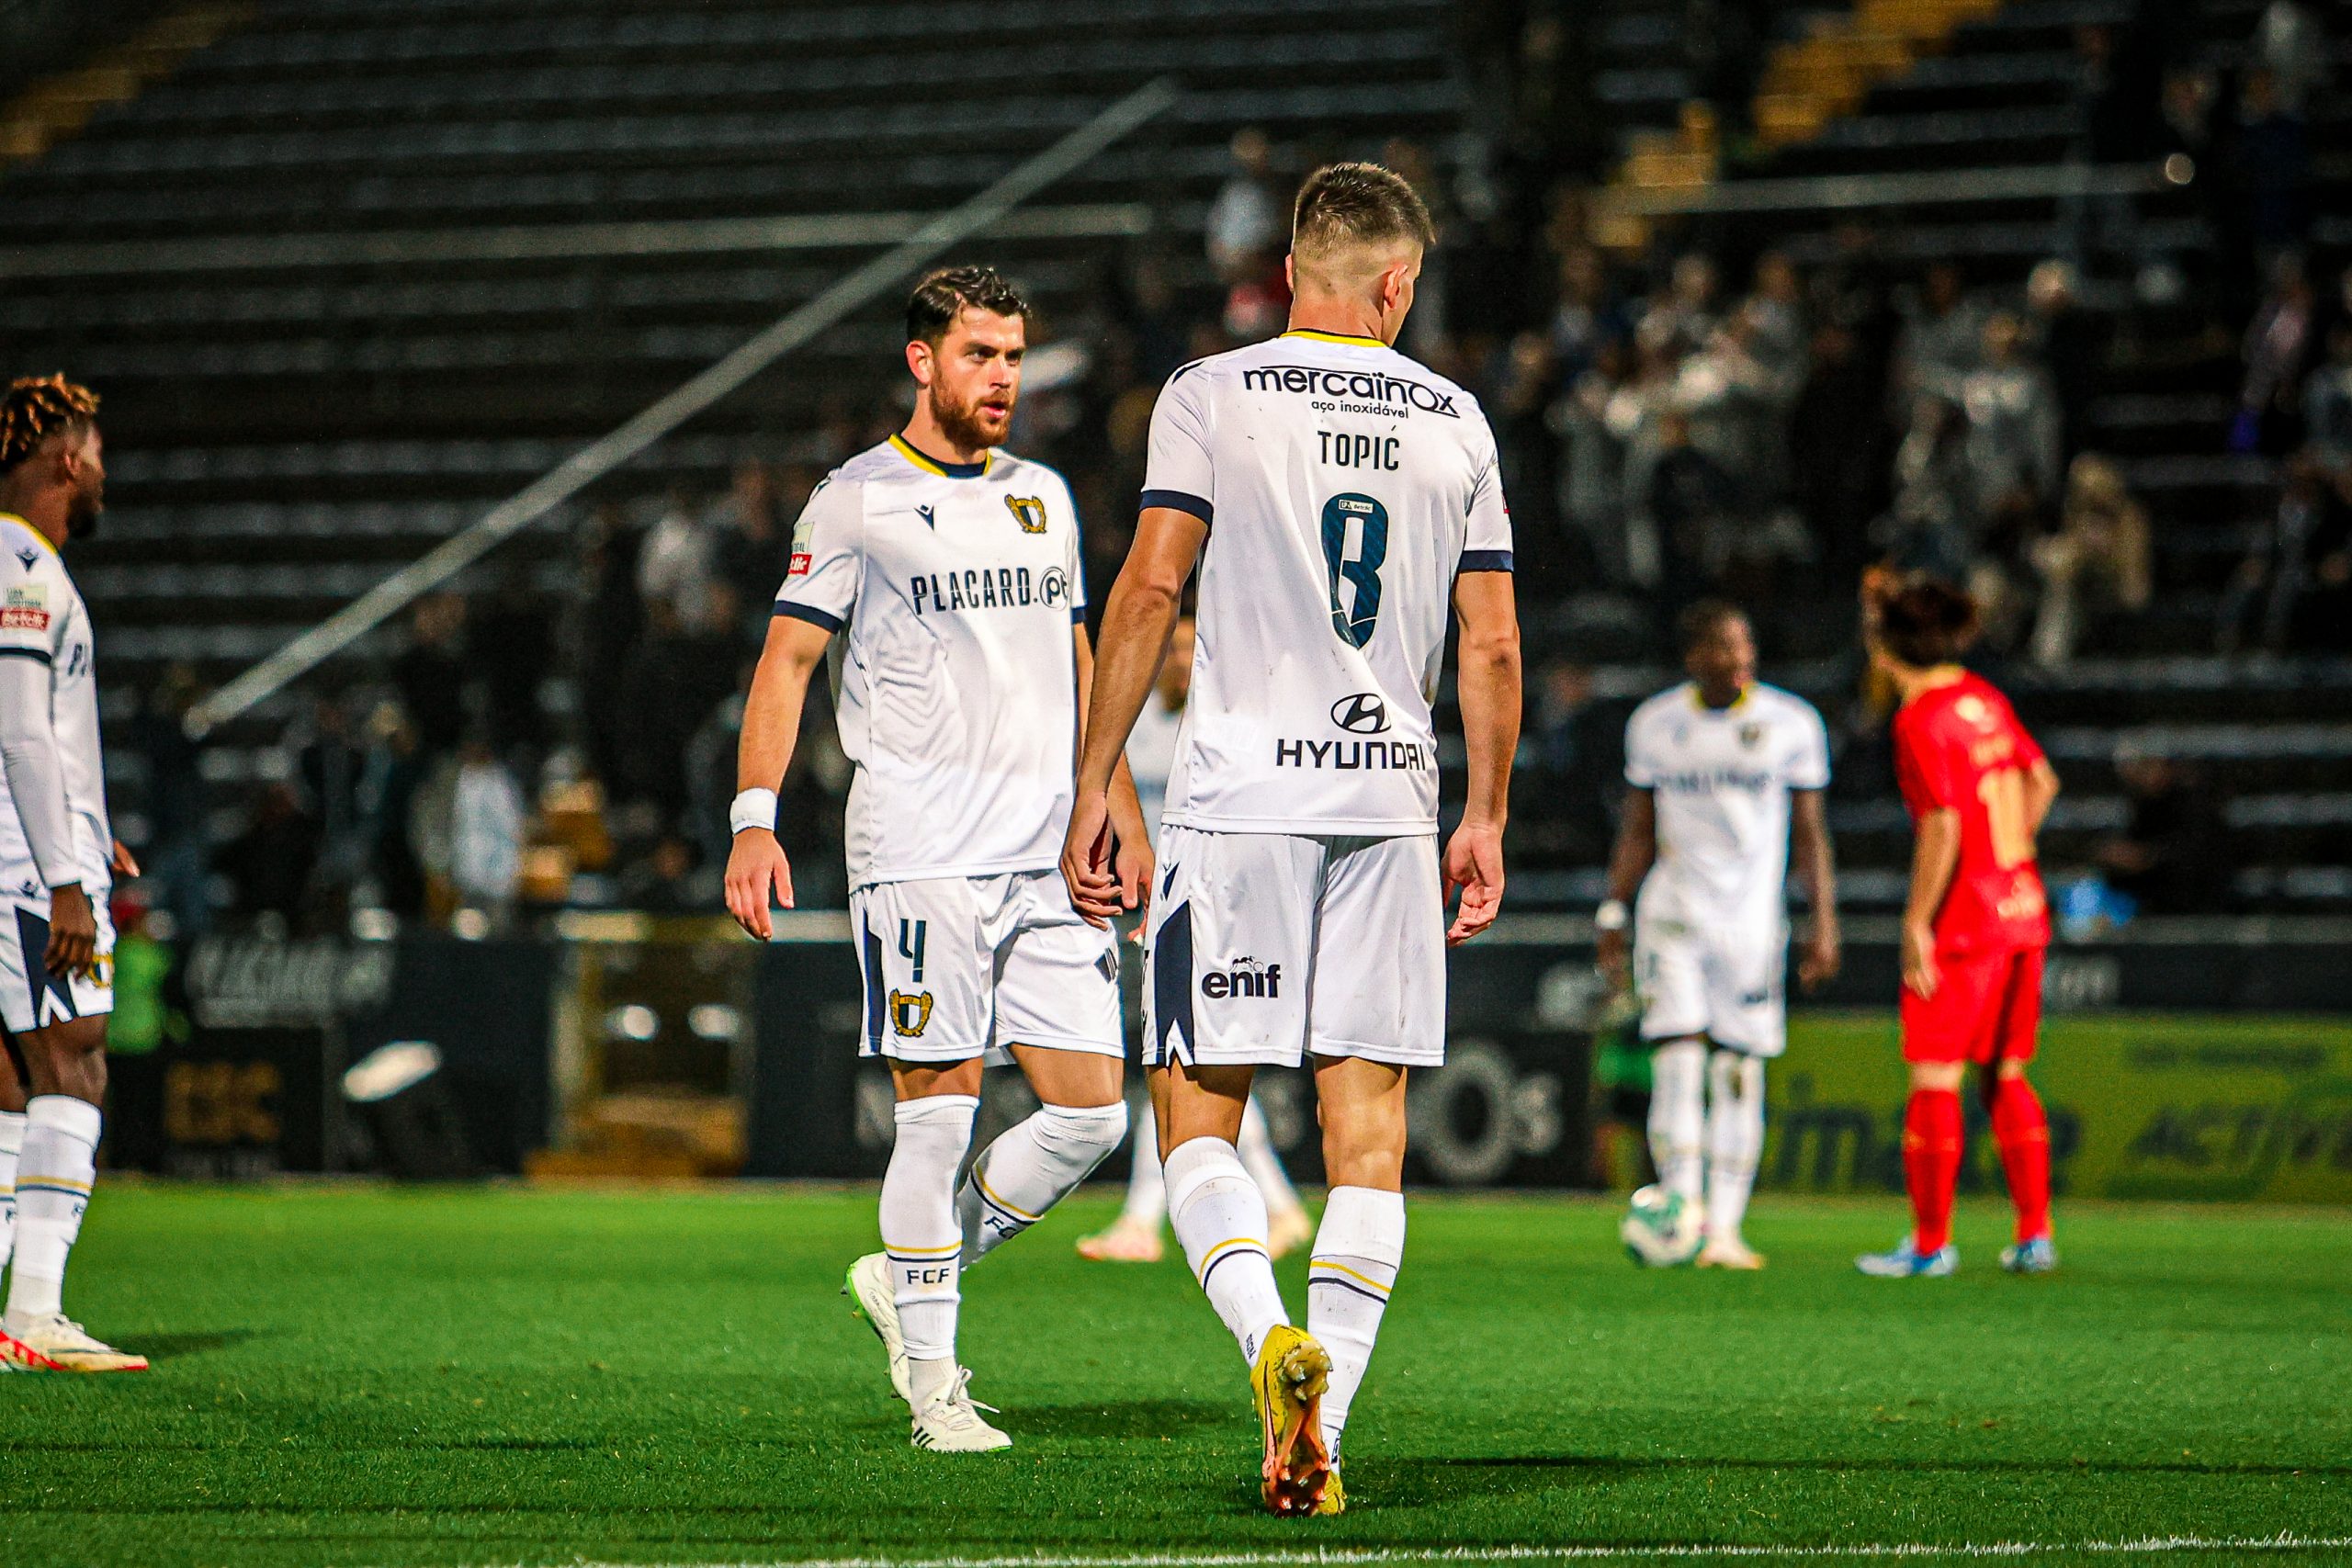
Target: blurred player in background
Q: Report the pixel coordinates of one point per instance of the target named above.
(1133, 1236)
(1726, 775)
(953, 571)
(58, 862)
(1337, 498)
(1974, 927)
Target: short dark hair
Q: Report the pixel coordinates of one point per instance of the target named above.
(35, 408)
(1925, 621)
(946, 292)
(1699, 620)
(1345, 204)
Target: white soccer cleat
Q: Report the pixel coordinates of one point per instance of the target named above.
(951, 1422)
(867, 1287)
(55, 1343)
(1728, 1252)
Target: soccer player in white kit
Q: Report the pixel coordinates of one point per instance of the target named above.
(950, 574)
(1724, 773)
(58, 860)
(1336, 497)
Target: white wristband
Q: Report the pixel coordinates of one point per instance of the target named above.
(1611, 917)
(753, 808)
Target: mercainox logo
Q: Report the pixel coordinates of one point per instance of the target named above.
(1363, 386)
(1243, 977)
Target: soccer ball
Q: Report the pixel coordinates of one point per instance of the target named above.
(1660, 1230)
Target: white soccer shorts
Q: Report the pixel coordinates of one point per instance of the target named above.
(961, 967)
(1726, 985)
(30, 996)
(1269, 947)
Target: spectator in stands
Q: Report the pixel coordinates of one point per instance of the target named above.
(430, 674)
(1842, 453)
(512, 646)
(2013, 428)
(389, 785)
(1682, 318)
(673, 565)
(1697, 508)
(1571, 746)
(612, 619)
(1519, 410)
(331, 766)
(2328, 401)
(269, 863)
(1592, 481)
(748, 546)
(1248, 220)
(2100, 559)
(1943, 333)
(486, 823)
(2279, 343)
(681, 670)
(2173, 856)
(2273, 167)
(1932, 525)
(2070, 341)
(1588, 317)
(2291, 41)
(174, 856)
(2294, 588)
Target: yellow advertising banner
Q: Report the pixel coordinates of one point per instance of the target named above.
(2215, 1105)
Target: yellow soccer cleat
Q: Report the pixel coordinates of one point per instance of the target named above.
(1292, 1373)
(55, 1343)
(1335, 1497)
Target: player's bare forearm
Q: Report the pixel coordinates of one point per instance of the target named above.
(1138, 622)
(779, 693)
(1934, 858)
(1817, 869)
(1486, 685)
(1126, 805)
(2042, 793)
(1636, 848)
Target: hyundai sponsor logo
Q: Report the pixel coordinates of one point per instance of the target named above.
(1365, 712)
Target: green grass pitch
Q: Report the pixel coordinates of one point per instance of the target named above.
(368, 1376)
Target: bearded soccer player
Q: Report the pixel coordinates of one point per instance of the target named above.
(1337, 498)
(1976, 926)
(58, 861)
(949, 570)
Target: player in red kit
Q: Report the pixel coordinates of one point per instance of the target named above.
(1976, 926)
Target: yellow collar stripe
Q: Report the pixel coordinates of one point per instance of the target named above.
(932, 466)
(36, 533)
(1335, 337)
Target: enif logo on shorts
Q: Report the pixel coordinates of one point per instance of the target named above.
(1365, 712)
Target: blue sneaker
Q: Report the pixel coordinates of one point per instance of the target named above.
(1907, 1262)
(2035, 1256)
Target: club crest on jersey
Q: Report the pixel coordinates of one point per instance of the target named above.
(910, 1013)
(1029, 511)
(1751, 736)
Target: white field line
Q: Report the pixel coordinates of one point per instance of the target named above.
(1344, 1558)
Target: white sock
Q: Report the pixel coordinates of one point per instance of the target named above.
(1220, 1219)
(919, 1231)
(1357, 1250)
(12, 1139)
(1146, 1186)
(53, 1175)
(1678, 1117)
(1734, 1137)
(1264, 1166)
(1032, 1167)
(10, 1144)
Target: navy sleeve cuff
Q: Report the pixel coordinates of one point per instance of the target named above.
(1485, 560)
(1078, 614)
(808, 612)
(1179, 501)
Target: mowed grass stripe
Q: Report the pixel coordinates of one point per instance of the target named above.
(442, 1378)
(1697, 1550)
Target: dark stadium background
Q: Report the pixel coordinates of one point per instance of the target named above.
(2052, 296)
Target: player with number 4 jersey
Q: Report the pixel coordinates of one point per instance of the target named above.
(1974, 930)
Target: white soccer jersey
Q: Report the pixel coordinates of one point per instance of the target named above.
(957, 585)
(1721, 779)
(1344, 487)
(44, 623)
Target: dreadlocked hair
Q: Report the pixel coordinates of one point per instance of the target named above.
(36, 407)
